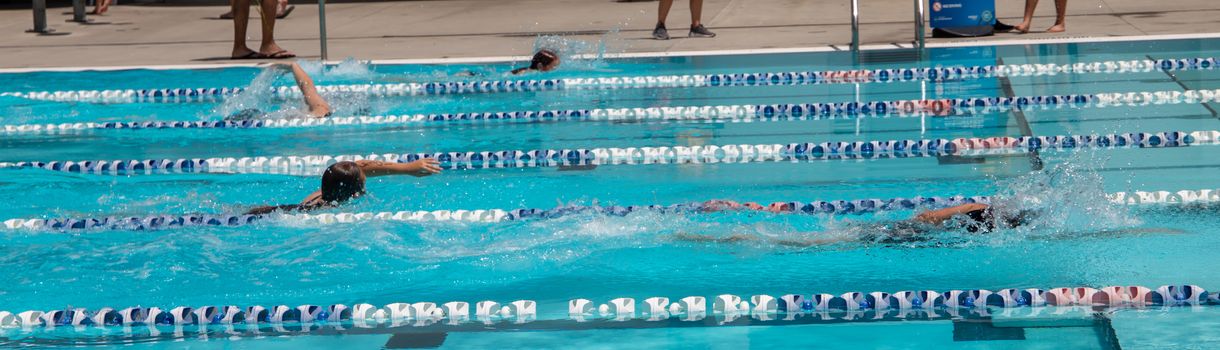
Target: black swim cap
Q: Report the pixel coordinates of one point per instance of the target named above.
(981, 220)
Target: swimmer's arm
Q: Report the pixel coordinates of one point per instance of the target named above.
(936, 217)
(422, 167)
(317, 105)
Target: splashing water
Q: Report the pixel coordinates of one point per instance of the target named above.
(1066, 197)
(256, 96)
(259, 94)
(348, 69)
(1064, 200)
(579, 54)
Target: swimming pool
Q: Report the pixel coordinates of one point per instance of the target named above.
(1107, 139)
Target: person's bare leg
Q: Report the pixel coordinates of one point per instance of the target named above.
(663, 11)
(241, 17)
(1030, 5)
(696, 12)
(1060, 16)
(268, 46)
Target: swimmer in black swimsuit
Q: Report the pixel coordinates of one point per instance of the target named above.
(973, 217)
(343, 181)
(316, 105)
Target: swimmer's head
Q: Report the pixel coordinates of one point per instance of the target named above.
(341, 182)
(245, 114)
(544, 60)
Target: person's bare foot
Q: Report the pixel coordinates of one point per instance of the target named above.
(1058, 28)
(1021, 28)
(101, 8)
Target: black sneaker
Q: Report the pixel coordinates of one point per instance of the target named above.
(660, 33)
(1000, 27)
(700, 31)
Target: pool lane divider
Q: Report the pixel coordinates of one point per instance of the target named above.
(725, 113)
(724, 308)
(658, 81)
(835, 207)
(794, 152)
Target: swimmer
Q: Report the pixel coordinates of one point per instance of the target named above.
(317, 106)
(973, 217)
(343, 181)
(544, 60)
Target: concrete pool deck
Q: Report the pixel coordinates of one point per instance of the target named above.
(157, 34)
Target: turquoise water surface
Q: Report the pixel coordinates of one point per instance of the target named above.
(1084, 240)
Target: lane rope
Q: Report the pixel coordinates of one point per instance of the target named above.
(658, 81)
(725, 308)
(835, 207)
(835, 150)
(725, 113)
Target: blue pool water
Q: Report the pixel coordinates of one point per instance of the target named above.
(1083, 239)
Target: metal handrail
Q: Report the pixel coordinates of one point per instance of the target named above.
(39, 8)
(919, 16)
(40, 17)
(920, 13)
(855, 25)
(322, 27)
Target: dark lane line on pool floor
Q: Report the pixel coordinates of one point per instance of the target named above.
(1175, 79)
(1022, 123)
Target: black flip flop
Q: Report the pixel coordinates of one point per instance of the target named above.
(253, 55)
(282, 54)
(287, 10)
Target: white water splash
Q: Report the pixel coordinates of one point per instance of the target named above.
(1066, 197)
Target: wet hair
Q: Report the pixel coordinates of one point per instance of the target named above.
(984, 220)
(245, 114)
(342, 181)
(541, 59)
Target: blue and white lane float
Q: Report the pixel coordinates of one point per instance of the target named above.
(658, 81)
(722, 113)
(795, 152)
(725, 308)
(489, 216)
(835, 207)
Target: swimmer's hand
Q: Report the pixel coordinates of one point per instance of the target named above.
(423, 167)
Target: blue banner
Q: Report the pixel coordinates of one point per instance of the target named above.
(961, 13)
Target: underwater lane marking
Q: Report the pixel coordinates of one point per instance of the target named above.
(630, 82)
(1035, 160)
(745, 153)
(1175, 79)
(724, 113)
